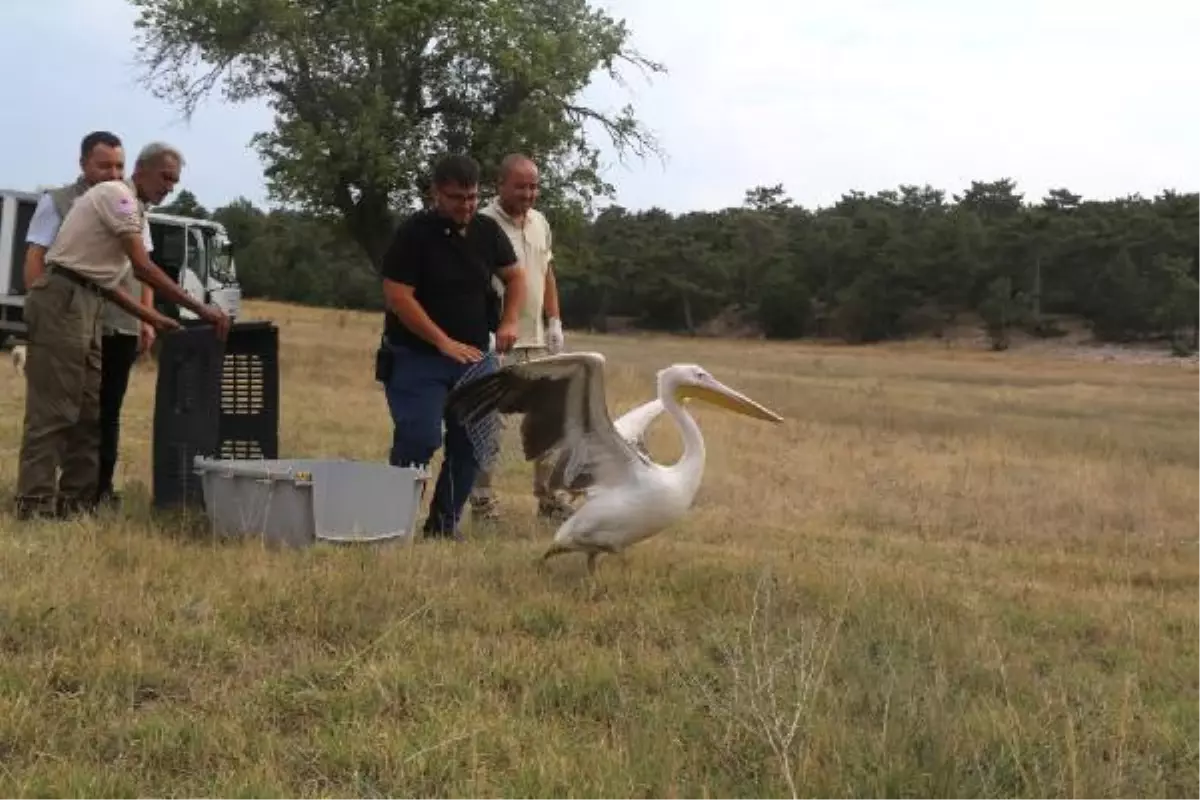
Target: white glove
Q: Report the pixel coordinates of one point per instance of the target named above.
(554, 336)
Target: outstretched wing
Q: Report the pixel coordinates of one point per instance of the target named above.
(563, 402)
(631, 426)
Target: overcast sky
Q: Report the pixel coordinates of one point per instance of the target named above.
(1098, 96)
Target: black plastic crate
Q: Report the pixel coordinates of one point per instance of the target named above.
(219, 402)
(186, 413)
(249, 423)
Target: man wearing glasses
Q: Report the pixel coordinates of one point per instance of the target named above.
(441, 308)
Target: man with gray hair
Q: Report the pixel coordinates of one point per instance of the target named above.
(124, 337)
(99, 241)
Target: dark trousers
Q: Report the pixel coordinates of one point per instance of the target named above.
(416, 395)
(119, 352)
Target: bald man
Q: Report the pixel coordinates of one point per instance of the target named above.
(529, 232)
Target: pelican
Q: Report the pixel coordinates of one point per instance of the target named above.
(629, 497)
(632, 425)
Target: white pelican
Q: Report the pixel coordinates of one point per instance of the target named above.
(632, 425)
(630, 498)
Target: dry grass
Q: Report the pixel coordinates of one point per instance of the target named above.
(948, 573)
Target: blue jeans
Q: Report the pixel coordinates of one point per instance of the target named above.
(416, 396)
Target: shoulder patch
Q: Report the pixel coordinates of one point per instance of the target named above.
(124, 206)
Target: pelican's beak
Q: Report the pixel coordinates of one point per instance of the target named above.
(718, 394)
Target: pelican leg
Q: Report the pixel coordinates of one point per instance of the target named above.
(595, 552)
(555, 550)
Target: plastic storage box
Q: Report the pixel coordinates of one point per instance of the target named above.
(296, 502)
(215, 401)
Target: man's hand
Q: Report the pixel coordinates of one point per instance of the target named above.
(554, 336)
(162, 323)
(462, 353)
(514, 300)
(506, 336)
(146, 338)
(218, 319)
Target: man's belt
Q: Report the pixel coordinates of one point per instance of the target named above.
(79, 280)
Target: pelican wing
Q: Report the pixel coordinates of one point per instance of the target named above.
(564, 406)
(632, 425)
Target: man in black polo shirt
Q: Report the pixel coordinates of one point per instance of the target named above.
(437, 286)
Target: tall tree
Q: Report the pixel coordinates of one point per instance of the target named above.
(185, 204)
(367, 92)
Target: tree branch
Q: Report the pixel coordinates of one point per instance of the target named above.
(624, 133)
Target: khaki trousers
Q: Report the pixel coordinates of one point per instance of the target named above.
(62, 396)
(541, 467)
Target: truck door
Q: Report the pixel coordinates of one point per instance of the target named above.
(170, 254)
(191, 280)
(197, 261)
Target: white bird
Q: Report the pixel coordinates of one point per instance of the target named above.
(18, 359)
(632, 425)
(629, 496)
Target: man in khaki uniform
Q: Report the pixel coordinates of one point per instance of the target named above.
(102, 158)
(529, 232)
(99, 241)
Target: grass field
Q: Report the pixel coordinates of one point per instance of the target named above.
(948, 573)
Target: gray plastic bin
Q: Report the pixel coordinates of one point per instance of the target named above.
(296, 502)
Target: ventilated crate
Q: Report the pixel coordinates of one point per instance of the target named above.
(249, 419)
(186, 413)
(213, 400)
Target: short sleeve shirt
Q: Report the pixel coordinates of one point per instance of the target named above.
(44, 225)
(43, 229)
(89, 239)
(532, 242)
(451, 274)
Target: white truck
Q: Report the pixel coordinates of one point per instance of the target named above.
(196, 253)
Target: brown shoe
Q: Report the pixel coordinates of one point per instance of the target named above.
(71, 507)
(485, 508)
(554, 510)
(28, 509)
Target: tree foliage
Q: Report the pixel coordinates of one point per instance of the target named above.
(870, 267)
(367, 92)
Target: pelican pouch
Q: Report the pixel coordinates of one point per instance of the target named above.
(385, 360)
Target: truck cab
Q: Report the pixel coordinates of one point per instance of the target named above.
(196, 253)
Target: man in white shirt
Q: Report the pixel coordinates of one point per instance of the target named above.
(529, 232)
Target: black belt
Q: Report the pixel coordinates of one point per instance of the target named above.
(77, 279)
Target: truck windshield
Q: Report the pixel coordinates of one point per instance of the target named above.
(220, 255)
